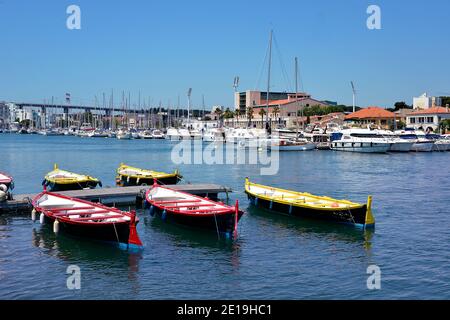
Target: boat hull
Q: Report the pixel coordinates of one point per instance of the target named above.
(125, 181)
(349, 216)
(54, 186)
(115, 233)
(422, 147)
(361, 147)
(401, 147)
(306, 147)
(225, 221)
(441, 147)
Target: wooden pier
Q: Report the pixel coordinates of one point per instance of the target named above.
(117, 196)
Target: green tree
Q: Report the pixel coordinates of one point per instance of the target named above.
(262, 112)
(219, 113)
(445, 101)
(228, 114)
(444, 125)
(276, 112)
(401, 105)
(25, 123)
(249, 115)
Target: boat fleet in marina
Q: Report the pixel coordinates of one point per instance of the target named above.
(99, 222)
(363, 140)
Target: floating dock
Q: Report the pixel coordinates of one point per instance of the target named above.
(117, 196)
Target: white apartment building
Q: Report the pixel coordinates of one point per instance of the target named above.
(426, 102)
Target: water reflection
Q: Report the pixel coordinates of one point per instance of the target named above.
(311, 228)
(183, 237)
(103, 258)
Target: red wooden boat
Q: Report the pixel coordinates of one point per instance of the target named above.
(7, 181)
(86, 219)
(187, 209)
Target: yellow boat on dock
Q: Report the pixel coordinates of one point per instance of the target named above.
(61, 180)
(306, 205)
(131, 176)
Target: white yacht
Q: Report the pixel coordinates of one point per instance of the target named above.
(420, 142)
(195, 134)
(157, 134)
(146, 134)
(123, 134)
(359, 140)
(214, 135)
(184, 134)
(97, 133)
(173, 134)
(397, 144)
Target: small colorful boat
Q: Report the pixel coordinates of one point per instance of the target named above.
(86, 219)
(310, 206)
(187, 209)
(61, 180)
(7, 181)
(131, 176)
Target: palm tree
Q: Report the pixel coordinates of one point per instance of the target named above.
(249, 115)
(237, 113)
(262, 112)
(275, 112)
(228, 114)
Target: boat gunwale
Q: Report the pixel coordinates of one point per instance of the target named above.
(68, 180)
(353, 205)
(50, 214)
(151, 174)
(230, 209)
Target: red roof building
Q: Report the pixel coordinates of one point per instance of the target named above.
(428, 119)
(372, 116)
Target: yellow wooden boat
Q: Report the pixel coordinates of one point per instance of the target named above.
(310, 206)
(60, 180)
(131, 176)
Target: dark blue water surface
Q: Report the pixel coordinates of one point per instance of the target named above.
(275, 257)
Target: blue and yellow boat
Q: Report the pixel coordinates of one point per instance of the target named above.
(306, 205)
(61, 180)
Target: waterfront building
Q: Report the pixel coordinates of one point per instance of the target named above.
(428, 119)
(253, 98)
(376, 116)
(425, 102)
(284, 108)
(4, 115)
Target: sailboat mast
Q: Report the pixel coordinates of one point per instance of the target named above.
(268, 80)
(112, 113)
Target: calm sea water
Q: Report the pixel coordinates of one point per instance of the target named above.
(275, 257)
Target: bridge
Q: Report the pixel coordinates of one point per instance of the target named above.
(67, 107)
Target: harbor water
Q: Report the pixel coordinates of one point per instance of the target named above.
(275, 257)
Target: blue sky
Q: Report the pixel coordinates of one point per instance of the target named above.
(164, 47)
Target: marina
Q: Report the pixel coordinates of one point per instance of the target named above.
(235, 151)
(264, 240)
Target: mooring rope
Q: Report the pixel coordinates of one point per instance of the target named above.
(115, 230)
(217, 227)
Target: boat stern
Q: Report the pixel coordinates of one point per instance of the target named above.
(370, 219)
